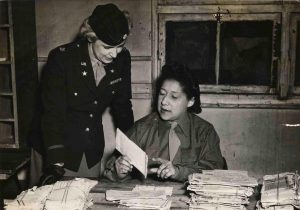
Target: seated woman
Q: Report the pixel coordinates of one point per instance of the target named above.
(177, 140)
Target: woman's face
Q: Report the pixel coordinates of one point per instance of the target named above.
(106, 53)
(172, 101)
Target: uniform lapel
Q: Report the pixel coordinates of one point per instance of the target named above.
(86, 69)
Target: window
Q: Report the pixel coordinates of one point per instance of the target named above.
(238, 54)
(246, 53)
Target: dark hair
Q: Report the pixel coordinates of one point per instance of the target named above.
(181, 74)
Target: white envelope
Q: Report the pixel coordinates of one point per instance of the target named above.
(138, 157)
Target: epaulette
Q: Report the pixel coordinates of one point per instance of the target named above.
(67, 47)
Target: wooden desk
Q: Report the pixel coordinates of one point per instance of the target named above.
(179, 196)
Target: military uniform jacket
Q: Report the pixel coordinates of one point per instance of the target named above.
(73, 104)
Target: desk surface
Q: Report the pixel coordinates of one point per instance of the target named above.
(179, 196)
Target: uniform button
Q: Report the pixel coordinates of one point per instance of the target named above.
(112, 71)
(87, 129)
(78, 45)
(95, 102)
(113, 92)
(91, 115)
(75, 93)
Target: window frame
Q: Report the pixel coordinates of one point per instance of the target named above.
(251, 89)
(238, 96)
(295, 17)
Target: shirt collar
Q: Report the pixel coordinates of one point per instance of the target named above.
(94, 60)
(183, 124)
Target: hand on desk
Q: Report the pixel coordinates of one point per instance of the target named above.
(165, 170)
(51, 174)
(123, 166)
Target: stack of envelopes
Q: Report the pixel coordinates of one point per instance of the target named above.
(220, 189)
(142, 197)
(280, 190)
(62, 195)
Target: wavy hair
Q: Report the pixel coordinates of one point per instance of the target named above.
(181, 74)
(86, 32)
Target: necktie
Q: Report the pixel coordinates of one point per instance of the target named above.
(99, 72)
(174, 141)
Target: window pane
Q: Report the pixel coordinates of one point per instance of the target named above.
(3, 12)
(297, 70)
(7, 133)
(246, 53)
(5, 78)
(6, 104)
(4, 44)
(193, 44)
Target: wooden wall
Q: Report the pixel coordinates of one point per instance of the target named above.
(251, 139)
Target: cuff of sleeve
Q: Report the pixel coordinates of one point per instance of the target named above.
(183, 173)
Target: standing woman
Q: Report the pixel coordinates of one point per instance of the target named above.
(81, 79)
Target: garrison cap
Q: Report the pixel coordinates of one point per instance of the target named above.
(109, 24)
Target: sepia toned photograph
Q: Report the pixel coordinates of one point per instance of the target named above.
(150, 104)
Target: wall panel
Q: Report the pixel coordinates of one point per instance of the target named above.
(58, 22)
(256, 140)
(141, 71)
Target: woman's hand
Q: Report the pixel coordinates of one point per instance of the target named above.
(165, 170)
(123, 166)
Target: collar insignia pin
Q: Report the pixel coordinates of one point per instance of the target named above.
(83, 63)
(124, 36)
(84, 73)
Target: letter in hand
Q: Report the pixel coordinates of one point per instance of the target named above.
(165, 169)
(123, 166)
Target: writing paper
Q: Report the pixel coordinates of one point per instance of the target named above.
(138, 157)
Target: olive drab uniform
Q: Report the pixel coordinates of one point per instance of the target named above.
(73, 104)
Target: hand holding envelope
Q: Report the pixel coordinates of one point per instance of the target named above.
(133, 154)
(123, 166)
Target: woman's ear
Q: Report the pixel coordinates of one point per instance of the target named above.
(191, 102)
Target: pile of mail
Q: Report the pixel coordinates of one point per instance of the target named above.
(64, 195)
(142, 197)
(220, 189)
(280, 190)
